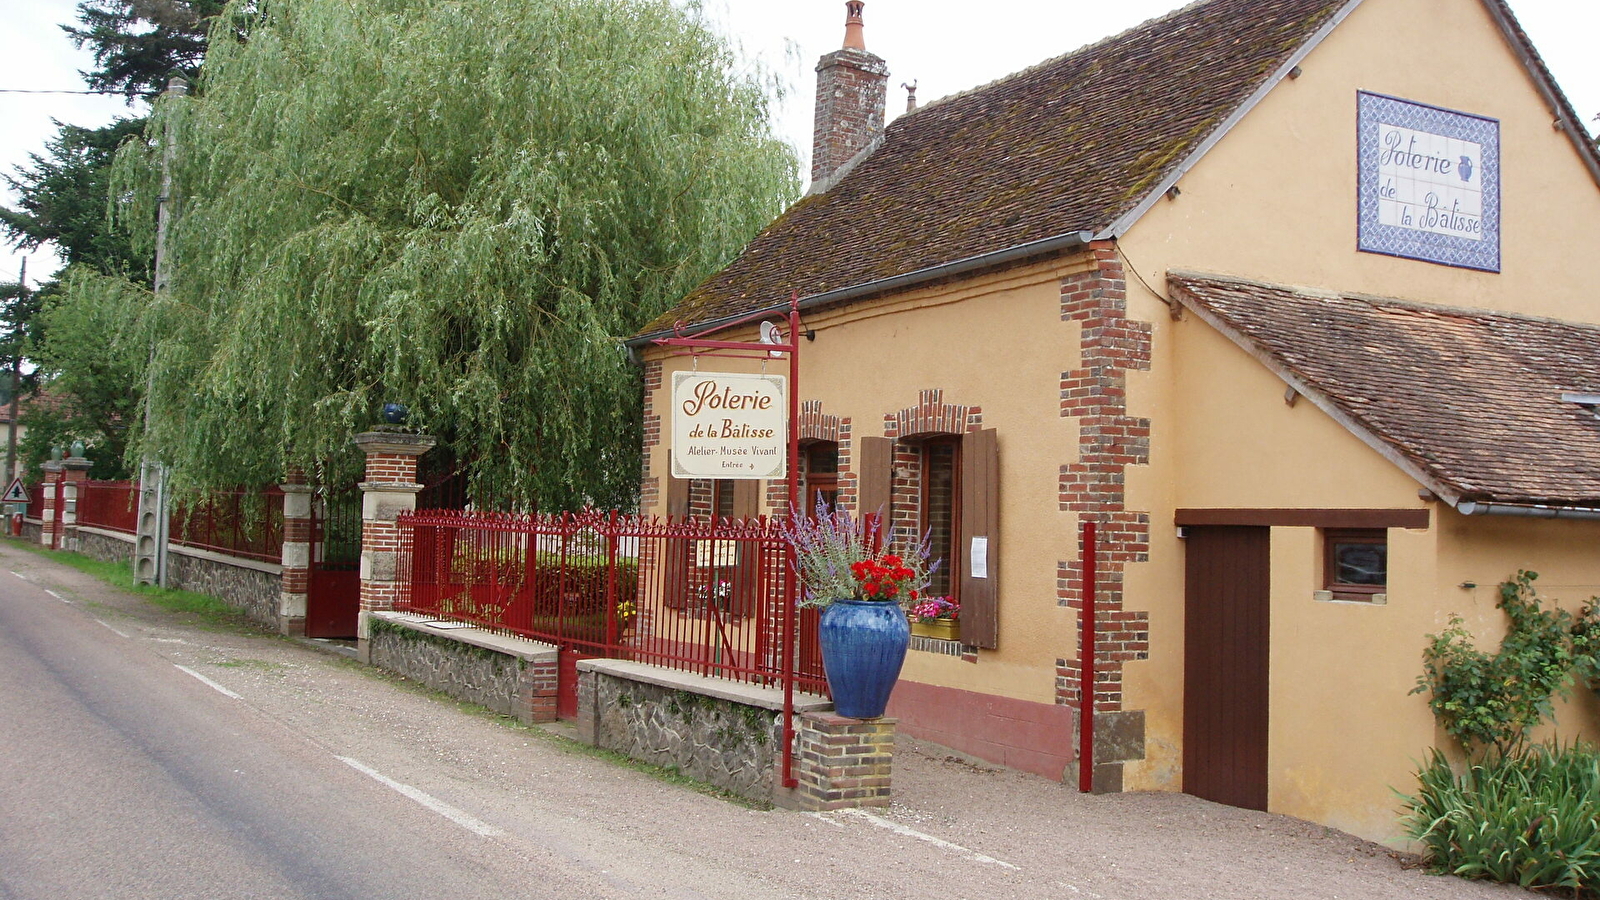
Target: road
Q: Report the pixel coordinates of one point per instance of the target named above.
(146, 755)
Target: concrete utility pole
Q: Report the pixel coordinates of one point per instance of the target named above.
(16, 380)
(150, 551)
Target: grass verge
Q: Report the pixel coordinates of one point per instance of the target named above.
(202, 608)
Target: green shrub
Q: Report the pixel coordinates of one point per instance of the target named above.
(1491, 701)
(1532, 818)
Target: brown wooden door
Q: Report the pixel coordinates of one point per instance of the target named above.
(1225, 665)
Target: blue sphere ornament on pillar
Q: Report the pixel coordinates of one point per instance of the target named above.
(395, 413)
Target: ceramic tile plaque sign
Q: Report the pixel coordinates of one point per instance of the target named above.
(1429, 184)
(729, 425)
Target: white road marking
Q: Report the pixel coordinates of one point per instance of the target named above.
(114, 631)
(19, 575)
(59, 597)
(474, 825)
(209, 683)
(899, 829)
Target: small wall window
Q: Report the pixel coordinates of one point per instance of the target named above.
(1355, 562)
(821, 475)
(941, 511)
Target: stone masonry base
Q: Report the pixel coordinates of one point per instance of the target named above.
(730, 735)
(512, 676)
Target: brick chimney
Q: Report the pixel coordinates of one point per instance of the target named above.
(852, 88)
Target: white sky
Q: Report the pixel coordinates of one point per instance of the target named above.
(945, 45)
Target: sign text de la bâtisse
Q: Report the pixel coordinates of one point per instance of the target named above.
(729, 425)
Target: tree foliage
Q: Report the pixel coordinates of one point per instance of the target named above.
(137, 44)
(62, 199)
(90, 365)
(460, 206)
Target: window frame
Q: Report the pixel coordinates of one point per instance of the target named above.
(953, 568)
(1331, 538)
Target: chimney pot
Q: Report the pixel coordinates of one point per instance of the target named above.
(854, 36)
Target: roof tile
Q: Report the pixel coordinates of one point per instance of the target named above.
(1066, 146)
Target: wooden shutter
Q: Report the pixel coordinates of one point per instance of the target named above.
(747, 569)
(675, 551)
(980, 523)
(874, 468)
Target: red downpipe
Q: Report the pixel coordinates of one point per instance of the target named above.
(1086, 666)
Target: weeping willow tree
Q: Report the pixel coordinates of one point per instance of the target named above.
(459, 205)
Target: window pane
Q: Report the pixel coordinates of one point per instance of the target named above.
(1362, 563)
(822, 458)
(939, 509)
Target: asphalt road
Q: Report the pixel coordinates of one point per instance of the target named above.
(145, 755)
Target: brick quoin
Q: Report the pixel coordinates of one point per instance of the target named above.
(650, 485)
(1109, 441)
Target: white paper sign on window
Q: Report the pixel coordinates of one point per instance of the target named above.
(729, 425)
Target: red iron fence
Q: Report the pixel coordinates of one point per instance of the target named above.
(247, 523)
(113, 505)
(702, 595)
(240, 522)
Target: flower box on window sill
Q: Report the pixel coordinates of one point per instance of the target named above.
(942, 629)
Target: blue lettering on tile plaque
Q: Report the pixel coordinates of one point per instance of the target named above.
(1429, 185)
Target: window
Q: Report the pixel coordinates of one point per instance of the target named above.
(821, 461)
(1355, 562)
(941, 511)
(722, 505)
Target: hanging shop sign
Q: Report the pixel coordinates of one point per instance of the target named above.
(1429, 182)
(729, 425)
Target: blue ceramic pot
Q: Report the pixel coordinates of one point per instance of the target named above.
(863, 645)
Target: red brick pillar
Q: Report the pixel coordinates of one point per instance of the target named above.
(49, 516)
(296, 557)
(390, 489)
(75, 473)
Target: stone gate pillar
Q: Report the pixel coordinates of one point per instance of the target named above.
(390, 489)
(75, 473)
(49, 516)
(296, 558)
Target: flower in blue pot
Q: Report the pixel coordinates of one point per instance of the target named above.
(864, 632)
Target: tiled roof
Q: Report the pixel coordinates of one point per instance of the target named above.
(1470, 398)
(1067, 146)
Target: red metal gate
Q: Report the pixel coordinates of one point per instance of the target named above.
(333, 592)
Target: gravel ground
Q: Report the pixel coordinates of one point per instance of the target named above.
(955, 829)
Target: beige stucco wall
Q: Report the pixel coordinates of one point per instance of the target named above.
(1275, 199)
(997, 343)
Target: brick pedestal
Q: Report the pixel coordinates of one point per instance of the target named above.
(390, 489)
(842, 763)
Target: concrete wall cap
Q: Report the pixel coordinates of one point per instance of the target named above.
(747, 694)
(395, 442)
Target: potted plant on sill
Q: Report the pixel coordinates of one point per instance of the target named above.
(863, 631)
(937, 617)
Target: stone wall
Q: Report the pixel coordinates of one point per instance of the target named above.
(721, 742)
(512, 676)
(252, 591)
(32, 529)
(105, 547)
